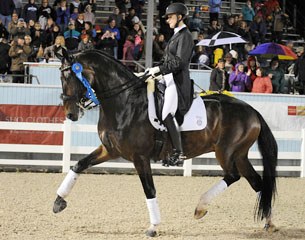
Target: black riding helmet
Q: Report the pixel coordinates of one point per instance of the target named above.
(177, 8)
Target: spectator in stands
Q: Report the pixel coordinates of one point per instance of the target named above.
(279, 22)
(239, 80)
(261, 84)
(76, 4)
(74, 15)
(92, 3)
(244, 32)
(89, 16)
(19, 53)
(270, 6)
(217, 54)
(107, 43)
(85, 43)
(214, 8)
(28, 42)
(63, 15)
(213, 28)
(121, 4)
(30, 11)
(299, 69)
(90, 31)
(52, 34)
(277, 76)
(258, 30)
(18, 7)
(52, 53)
(230, 63)
(5, 60)
(48, 31)
(219, 77)
(129, 18)
(196, 24)
(79, 23)
(128, 52)
(46, 11)
(138, 7)
(116, 16)
(230, 25)
(6, 10)
(200, 58)
(71, 38)
(157, 50)
(252, 66)
(12, 25)
(113, 29)
(248, 12)
(3, 31)
(21, 29)
(39, 38)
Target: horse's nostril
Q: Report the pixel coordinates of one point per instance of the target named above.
(70, 116)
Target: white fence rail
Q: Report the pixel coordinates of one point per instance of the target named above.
(66, 149)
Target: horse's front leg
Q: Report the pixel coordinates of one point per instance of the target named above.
(144, 171)
(99, 155)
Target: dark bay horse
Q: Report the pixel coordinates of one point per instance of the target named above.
(125, 131)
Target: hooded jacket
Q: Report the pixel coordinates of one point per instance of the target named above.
(239, 81)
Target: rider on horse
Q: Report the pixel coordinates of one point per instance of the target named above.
(174, 66)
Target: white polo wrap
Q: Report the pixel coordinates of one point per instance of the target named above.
(67, 185)
(154, 212)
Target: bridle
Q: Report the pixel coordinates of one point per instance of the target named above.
(89, 101)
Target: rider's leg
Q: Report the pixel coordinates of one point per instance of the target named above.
(174, 133)
(168, 111)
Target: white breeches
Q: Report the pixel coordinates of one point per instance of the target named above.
(170, 96)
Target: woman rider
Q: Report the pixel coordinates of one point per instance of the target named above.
(174, 66)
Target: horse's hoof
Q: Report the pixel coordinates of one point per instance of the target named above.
(200, 213)
(59, 204)
(151, 233)
(270, 228)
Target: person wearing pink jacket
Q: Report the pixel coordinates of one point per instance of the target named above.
(261, 84)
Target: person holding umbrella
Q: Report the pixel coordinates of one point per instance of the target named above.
(277, 76)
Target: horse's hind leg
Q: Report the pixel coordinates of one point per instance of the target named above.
(231, 175)
(98, 156)
(144, 171)
(254, 179)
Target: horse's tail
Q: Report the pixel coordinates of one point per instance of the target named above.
(268, 149)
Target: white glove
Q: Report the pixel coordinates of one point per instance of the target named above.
(140, 74)
(152, 71)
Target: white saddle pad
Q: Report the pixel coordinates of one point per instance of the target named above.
(195, 118)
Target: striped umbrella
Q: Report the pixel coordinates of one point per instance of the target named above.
(270, 50)
(221, 38)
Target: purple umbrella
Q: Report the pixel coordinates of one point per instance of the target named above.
(270, 50)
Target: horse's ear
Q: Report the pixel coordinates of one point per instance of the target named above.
(63, 55)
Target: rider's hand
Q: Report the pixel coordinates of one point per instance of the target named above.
(139, 74)
(152, 71)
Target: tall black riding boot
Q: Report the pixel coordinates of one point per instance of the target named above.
(176, 158)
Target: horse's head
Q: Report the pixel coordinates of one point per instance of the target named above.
(73, 91)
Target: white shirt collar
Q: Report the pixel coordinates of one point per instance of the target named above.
(177, 29)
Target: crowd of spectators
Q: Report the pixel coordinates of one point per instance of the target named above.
(234, 69)
(38, 31)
